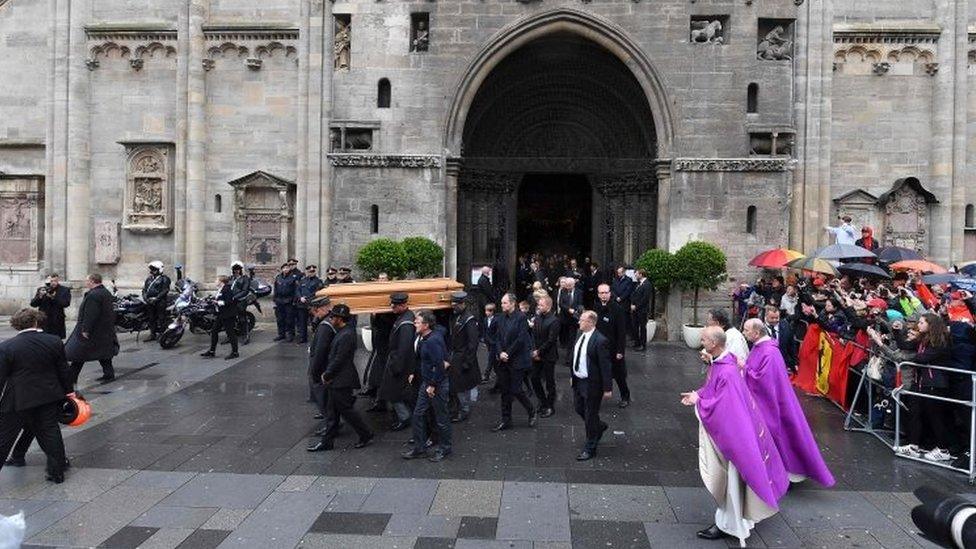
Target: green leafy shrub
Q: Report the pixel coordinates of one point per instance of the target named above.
(699, 266)
(424, 257)
(382, 255)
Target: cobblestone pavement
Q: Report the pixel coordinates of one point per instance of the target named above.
(190, 453)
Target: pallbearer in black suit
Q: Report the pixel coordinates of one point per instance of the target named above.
(514, 361)
(400, 362)
(341, 379)
(34, 379)
(545, 338)
(227, 311)
(612, 323)
(592, 382)
(462, 362)
(640, 303)
(318, 352)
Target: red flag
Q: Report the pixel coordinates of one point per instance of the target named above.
(926, 296)
(809, 360)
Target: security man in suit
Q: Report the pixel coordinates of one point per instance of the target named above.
(545, 339)
(400, 362)
(612, 323)
(34, 379)
(154, 292)
(640, 304)
(514, 362)
(227, 311)
(341, 380)
(592, 383)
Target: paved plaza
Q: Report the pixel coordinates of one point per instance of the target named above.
(189, 453)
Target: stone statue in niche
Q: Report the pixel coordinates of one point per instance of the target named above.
(421, 36)
(707, 32)
(359, 139)
(16, 223)
(340, 47)
(776, 45)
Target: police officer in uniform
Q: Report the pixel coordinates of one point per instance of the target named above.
(307, 286)
(400, 362)
(154, 292)
(285, 293)
(463, 369)
(331, 276)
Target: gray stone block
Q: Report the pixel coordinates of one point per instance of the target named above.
(225, 490)
(523, 516)
(401, 496)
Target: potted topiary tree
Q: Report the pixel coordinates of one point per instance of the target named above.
(382, 256)
(659, 266)
(698, 266)
(425, 258)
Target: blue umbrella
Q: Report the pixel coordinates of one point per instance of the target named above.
(941, 278)
(968, 284)
(968, 270)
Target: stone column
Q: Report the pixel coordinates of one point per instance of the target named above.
(301, 206)
(662, 169)
(942, 175)
(316, 63)
(810, 208)
(325, 116)
(960, 71)
(77, 223)
(451, 171)
(179, 182)
(55, 203)
(196, 143)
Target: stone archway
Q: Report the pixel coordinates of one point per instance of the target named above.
(559, 93)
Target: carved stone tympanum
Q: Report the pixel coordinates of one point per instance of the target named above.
(148, 189)
(21, 221)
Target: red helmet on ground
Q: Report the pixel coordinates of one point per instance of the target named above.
(75, 411)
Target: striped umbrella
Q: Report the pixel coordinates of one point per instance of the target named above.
(813, 264)
(775, 258)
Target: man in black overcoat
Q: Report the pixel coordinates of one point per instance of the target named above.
(34, 380)
(545, 338)
(514, 362)
(640, 304)
(94, 335)
(612, 323)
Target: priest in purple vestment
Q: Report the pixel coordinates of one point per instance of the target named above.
(738, 460)
(766, 376)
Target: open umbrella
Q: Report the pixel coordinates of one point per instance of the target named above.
(894, 254)
(814, 264)
(863, 269)
(918, 265)
(941, 278)
(842, 251)
(967, 284)
(968, 269)
(775, 258)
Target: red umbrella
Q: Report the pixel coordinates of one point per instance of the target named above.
(918, 265)
(776, 258)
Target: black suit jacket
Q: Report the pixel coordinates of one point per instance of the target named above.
(33, 371)
(53, 305)
(641, 296)
(484, 286)
(599, 376)
(341, 371)
(318, 358)
(545, 337)
(612, 323)
(514, 338)
(569, 300)
(229, 309)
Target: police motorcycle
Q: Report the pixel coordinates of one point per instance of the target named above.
(187, 311)
(131, 312)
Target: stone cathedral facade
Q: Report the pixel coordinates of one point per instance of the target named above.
(198, 132)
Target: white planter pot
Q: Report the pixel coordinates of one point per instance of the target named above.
(692, 335)
(368, 339)
(651, 330)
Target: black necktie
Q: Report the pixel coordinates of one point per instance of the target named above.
(579, 351)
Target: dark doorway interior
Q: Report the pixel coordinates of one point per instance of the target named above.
(554, 214)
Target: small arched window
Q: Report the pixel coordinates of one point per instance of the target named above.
(218, 203)
(383, 94)
(751, 220)
(752, 98)
(374, 219)
(970, 216)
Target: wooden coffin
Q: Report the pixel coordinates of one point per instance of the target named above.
(374, 297)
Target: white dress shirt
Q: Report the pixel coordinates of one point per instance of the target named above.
(579, 353)
(735, 343)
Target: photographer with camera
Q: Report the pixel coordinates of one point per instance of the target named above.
(52, 299)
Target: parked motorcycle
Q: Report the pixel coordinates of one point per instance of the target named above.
(186, 307)
(131, 312)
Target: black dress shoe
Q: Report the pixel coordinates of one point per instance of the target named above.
(400, 425)
(548, 412)
(363, 442)
(438, 456)
(232, 356)
(585, 455)
(208, 354)
(15, 462)
(56, 478)
(319, 447)
(412, 454)
(624, 403)
(533, 418)
(318, 415)
(503, 426)
(712, 532)
(106, 379)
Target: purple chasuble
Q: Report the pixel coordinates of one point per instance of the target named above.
(771, 387)
(731, 417)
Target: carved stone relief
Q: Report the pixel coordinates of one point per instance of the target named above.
(385, 160)
(148, 190)
(896, 50)
(732, 164)
(419, 31)
(134, 45)
(107, 250)
(342, 42)
(906, 215)
(708, 29)
(21, 221)
(776, 40)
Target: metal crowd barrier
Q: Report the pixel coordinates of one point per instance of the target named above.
(865, 385)
(971, 404)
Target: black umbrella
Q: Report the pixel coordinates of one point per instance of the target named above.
(941, 278)
(863, 269)
(894, 254)
(842, 251)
